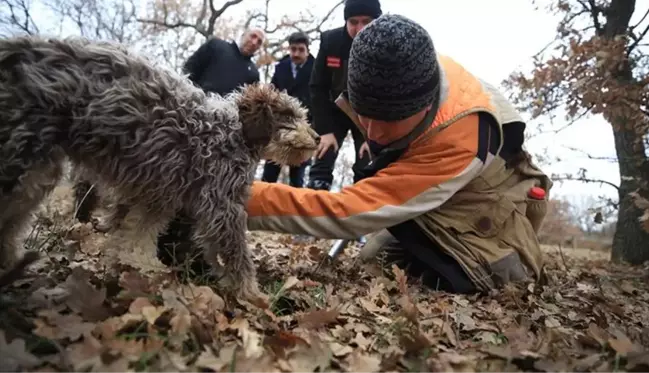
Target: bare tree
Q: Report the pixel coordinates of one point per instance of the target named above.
(181, 26)
(598, 68)
(560, 224)
(99, 19)
(278, 32)
(172, 29)
(183, 14)
(16, 18)
(94, 19)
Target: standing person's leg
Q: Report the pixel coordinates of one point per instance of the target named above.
(360, 163)
(271, 172)
(296, 175)
(321, 174)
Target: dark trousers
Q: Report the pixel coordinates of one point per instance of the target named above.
(421, 257)
(321, 173)
(415, 252)
(296, 173)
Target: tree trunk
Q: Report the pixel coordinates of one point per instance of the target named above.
(631, 241)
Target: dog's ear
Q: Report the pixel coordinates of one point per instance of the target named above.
(257, 105)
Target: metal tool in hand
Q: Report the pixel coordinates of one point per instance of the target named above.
(337, 248)
(334, 251)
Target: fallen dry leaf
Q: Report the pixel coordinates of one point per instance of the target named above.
(339, 350)
(318, 318)
(622, 345)
(134, 284)
(105, 316)
(288, 284)
(57, 327)
(362, 362)
(14, 356)
(85, 298)
(316, 356)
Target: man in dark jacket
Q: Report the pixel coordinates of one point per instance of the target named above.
(219, 66)
(292, 74)
(328, 80)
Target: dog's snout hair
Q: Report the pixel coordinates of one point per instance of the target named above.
(158, 142)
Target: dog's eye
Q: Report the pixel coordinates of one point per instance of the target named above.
(287, 128)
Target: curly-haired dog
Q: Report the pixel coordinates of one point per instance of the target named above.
(292, 145)
(147, 133)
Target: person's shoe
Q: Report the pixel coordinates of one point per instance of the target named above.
(318, 185)
(301, 238)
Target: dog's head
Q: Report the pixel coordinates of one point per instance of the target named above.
(275, 122)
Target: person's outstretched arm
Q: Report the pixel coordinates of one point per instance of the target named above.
(424, 178)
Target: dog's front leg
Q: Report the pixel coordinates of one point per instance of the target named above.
(12, 237)
(19, 206)
(113, 220)
(136, 240)
(224, 233)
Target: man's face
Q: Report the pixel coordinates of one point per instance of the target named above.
(383, 133)
(251, 42)
(299, 53)
(356, 24)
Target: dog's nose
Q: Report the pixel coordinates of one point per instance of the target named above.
(317, 140)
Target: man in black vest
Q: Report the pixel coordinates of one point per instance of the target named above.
(292, 74)
(328, 80)
(219, 66)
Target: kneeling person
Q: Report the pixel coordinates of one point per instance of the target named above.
(450, 188)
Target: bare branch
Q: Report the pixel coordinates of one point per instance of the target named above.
(165, 24)
(585, 180)
(113, 20)
(632, 28)
(252, 17)
(595, 12)
(637, 39)
(206, 30)
(215, 14)
(277, 34)
(590, 156)
(19, 17)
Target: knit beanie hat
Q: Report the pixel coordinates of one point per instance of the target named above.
(355, 8)
(393, 71)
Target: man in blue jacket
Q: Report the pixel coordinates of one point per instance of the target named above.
(292, 74)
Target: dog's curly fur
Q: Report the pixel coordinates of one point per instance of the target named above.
(158, 142)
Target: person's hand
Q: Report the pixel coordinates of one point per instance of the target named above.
(326, 141)
(364, 149)
(376, 243)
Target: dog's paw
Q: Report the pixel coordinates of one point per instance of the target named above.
(252, 295)
(10, 255)
(260, 300)
(17, 269)
(102, 225)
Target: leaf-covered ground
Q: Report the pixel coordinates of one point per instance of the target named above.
(75, 313)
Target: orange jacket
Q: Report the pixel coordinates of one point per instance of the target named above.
(428, 173)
